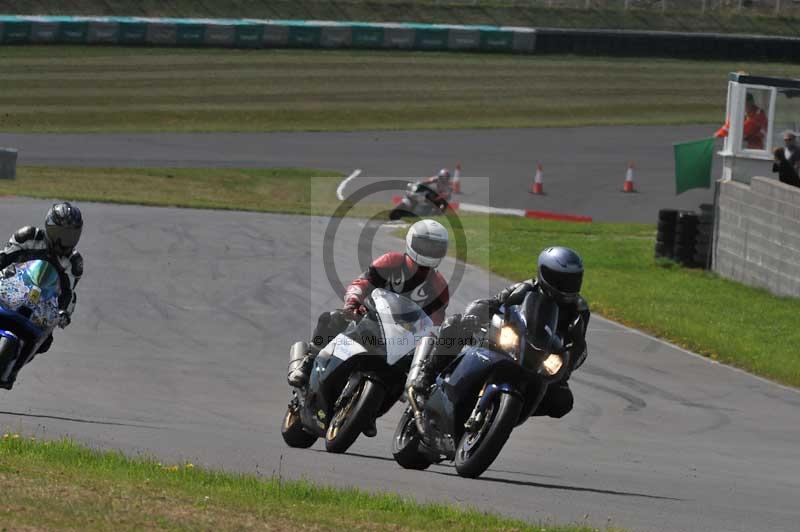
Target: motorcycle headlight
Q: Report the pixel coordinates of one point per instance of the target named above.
(508, 339)
(552, 364)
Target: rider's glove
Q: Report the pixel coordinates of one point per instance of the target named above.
(64, 318)
(353, 313)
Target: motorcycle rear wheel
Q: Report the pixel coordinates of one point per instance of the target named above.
(405, 444)
(352, 417)
(480, 447)
(293, 432)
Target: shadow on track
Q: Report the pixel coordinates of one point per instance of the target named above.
(79, 420)
(563, 487)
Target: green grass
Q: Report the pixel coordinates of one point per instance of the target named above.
(757, 17)
(104, 89)
(289, 190)
(61, 485)
(726, 321)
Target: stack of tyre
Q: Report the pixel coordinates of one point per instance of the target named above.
(665, 238)
(685, 236)
(704, 237)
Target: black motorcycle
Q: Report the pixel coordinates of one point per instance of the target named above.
(490, 388)
(419, 200)
(358, 376)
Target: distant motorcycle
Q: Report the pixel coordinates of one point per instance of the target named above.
(358, 376)
(485, 392)
(419, 200)
(29, 312)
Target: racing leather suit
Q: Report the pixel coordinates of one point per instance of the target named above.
(458, 331)
(30, 243)
(442, 188)
(396, 272)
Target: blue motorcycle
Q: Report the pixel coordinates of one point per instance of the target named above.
(491, 387)
(29, 312)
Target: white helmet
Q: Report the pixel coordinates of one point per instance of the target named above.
(426, 243)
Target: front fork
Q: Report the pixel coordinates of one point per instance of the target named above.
(485, 398)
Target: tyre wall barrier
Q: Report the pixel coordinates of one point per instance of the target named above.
(255, 33)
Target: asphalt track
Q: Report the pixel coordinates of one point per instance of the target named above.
(584, 168)
(178, 349)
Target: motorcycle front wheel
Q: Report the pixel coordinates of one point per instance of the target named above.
(353, 416)
(293, 432)
(480, 446)
(405, 444)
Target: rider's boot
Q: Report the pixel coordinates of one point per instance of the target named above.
(370, 431)
(557, 401)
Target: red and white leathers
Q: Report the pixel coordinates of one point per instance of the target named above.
(443, 187)
(396, 272)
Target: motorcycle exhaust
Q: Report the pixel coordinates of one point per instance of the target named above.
(422, 357)
(297, 353)
(412, 400)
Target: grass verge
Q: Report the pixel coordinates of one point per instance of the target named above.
(61, 485)
(289, 190)
(106, 89)
(724, 320)
(755, 17)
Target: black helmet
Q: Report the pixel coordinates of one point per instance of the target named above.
(560, 272)
(63, 226)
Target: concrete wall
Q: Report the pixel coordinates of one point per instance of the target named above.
(758, 235)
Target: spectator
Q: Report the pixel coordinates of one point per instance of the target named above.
(787, 173)
(790, 148)
(755, 124)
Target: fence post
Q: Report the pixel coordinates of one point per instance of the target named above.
(777, 7)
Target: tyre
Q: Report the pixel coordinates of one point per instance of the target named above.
(665, 226)
(663, 250)
(405, 444)
(478, 448)
(700, 259)
(668, 215)
(293, 432)
(395, 214)
(702, 240)
(351, 417)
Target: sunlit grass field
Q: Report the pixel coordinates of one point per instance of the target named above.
(105, 89)
(724, 320)
(64, 486)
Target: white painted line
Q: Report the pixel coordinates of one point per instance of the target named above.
(701, 357)
(340, 189)
(474, 207)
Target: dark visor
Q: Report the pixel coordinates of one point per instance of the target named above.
(564, 282)
(428, 247)
(66, 237)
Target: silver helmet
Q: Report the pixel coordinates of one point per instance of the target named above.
(426, 243)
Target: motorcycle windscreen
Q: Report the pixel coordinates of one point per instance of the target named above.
(403, 323)
(540, 313)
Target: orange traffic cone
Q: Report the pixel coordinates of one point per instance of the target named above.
(538, 187)
(457, 179)
(628, 185)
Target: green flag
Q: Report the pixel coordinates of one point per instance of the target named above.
(693, 164)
